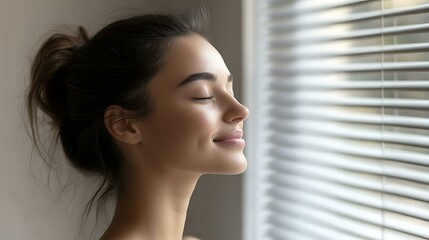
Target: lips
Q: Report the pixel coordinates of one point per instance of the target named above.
(231, 140)
(234, 135)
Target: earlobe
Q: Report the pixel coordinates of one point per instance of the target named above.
(121, 127)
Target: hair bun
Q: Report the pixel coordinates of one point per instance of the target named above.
(48, 87)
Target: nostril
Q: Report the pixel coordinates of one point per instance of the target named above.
(240, 113)
(234, 110)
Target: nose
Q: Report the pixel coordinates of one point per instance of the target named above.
(235, 111)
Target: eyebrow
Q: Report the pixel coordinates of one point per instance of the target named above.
(202, 76)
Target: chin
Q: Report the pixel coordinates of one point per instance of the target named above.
(230, 166)
(239, 168)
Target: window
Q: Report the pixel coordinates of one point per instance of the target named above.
(338, 136)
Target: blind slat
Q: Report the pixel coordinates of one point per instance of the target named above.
(347, 178)
(312, 113)
(295, 9)
(304, 67)
(409, 225)
(318, 52)
(281, 84)
(339, 146)
(309, 37)
(355, 203)
(311, 22)
(348, 225)
(348, 163)
(364, 214)
(335, 130)
(316, 230)
(281, 234)
(326, 99)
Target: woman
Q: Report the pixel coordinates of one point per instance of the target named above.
(147, 104)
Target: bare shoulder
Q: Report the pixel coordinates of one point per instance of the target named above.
(190, 238)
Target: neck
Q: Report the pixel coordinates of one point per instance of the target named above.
(152, 206)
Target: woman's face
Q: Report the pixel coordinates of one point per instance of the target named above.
(195, 123)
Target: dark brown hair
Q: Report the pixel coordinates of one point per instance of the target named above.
(75, 78)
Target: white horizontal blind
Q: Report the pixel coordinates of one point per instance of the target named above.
(347, 146)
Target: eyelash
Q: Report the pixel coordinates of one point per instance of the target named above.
(204, 98)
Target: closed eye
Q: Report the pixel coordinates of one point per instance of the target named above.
(203, 99)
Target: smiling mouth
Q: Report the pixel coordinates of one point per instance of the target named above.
(233, 139)
(237, 142)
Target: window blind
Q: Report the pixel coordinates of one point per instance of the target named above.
(339, 129)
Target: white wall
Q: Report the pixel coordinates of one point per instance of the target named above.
(28, 210)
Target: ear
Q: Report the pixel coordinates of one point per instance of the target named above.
(120, 127)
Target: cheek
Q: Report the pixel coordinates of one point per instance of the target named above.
(185, 130)
(194, 124)
(184, 138)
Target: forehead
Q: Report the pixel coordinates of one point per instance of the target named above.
(188, 55)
